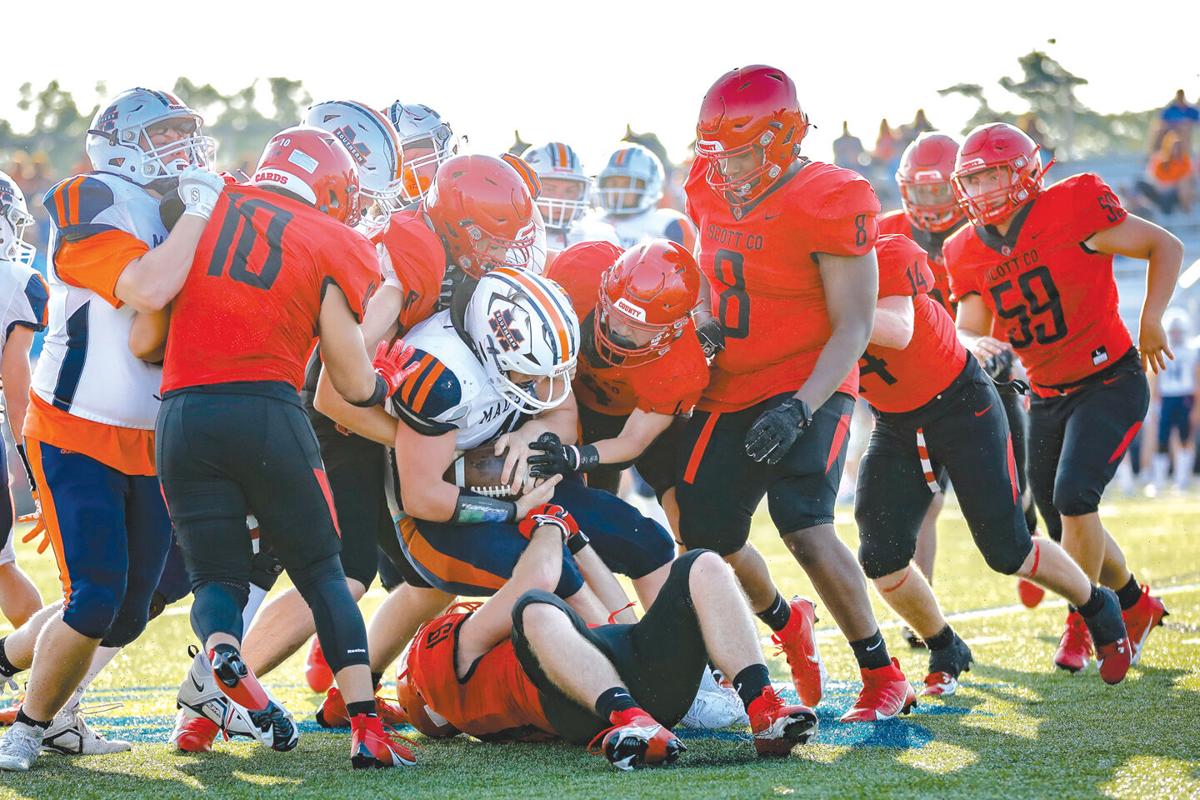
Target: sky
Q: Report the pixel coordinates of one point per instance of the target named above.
(579, 71)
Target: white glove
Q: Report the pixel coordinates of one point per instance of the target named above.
(199, 190)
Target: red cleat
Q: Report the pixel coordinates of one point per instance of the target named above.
(885, 693)
(1075, 647)
(316, 669)
(636, 739)
(1114, 659)
(1030, 593)
(778, 728)
(8, 715)
(798, 642)
(1145, 615)
(193, 734)
(373, 747)
(333, 713)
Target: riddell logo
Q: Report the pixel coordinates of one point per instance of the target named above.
(626, 307)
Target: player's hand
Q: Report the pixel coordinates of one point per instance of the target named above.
(548, 514)
(1154, 347)
(394, 363)
(999, 366)
(515, 449)
(199, 189)
(711, 334)
(985, 348)
(539, 495)
(553, 457)
(39, 526)
(777, 429)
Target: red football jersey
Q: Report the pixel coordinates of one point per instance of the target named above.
(249, 307)
(895, 381)
(931, 243)
(417, 262)
(496, 701)
(668, 385)
(1052, 299)
(766, 284)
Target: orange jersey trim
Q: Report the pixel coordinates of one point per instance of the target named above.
(33, 452)
(127, 450)
(447, 568)
(96, 263)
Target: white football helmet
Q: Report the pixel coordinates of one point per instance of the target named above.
(14, 219)
(117, 141)
(522, 322)
(375, 147)
(426, 141)
(638, 172)
(566, 190)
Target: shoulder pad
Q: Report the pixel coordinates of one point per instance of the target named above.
(427, 398)
(37, 294)
(74, 204)
(842, 194)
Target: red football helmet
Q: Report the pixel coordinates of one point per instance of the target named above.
(646, 299)
(924, 178)
(484, 213)
(1018, 168)
(750, 111)
(313, 165)
(418, 713)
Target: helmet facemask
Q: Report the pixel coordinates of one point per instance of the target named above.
(743, 186)
(423, 154)
(571, 202)
(158, 166)
(929, 202)
(991, 193)
(622, 335)
(13, 222)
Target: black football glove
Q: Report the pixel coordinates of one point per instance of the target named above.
(557, 458)
(776, 430)
(999, 367)
(711, 334)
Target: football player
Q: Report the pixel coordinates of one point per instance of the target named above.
(788, 247)
(565, 197)
(628, 190)
(1176, 389)
(233, 435)
(426, 142)
(25, 299)
(1035, 266)
(527, 666)
(939, 416)
(89, 427)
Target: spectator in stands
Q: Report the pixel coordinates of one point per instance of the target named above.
(887, 144)
(1169, 181)
(848, 151)
(1179, 117)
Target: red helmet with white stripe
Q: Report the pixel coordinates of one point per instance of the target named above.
(313, 165)
(998, 170)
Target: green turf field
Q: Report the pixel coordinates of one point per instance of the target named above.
(1017, 728)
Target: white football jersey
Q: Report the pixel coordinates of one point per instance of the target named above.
(24, 297)
(451, 392)
(654, 223)
(1179, 378)
(86, 367)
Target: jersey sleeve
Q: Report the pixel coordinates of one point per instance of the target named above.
(76, 205)
(414, 263)
(845, 222)
(30, 308)
(351, 263)
(903, 267)
(1094, 206)
(962, 273)
(678, 381)
(578, 270)
(96, 262)
(430, 401)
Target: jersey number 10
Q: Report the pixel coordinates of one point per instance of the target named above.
(240, 213)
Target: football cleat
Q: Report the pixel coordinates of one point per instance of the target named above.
(778, 728)
(20, 747)
(1144, 616)
(1114, 653)
(237, 680)
(70, 735)
(333, 713)
(193, 734)
(1030, 593)
(200, 697)
(636, 739)
(1075, 646)
(715, 707)
(373, 747)
(945, 666)
(798, 642)
(911, 639)
(885, 693)
(316, 669)
(8, 714)
(275, 726)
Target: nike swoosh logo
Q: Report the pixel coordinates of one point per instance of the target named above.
(199, 686)
(981, 413)
(875, 647)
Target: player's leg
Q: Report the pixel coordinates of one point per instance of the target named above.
(1161, 464)
(1185, 451)
(19, 598)
(1018, 427)
(926, 551)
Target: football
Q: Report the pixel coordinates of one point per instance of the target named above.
(481, 471)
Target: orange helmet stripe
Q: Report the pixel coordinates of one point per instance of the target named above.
(553, 313)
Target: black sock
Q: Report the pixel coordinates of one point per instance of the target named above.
(942, 639)
(750, 683)
(28, 720)
(1130, 593)
(613, 700)
(376, 679)
(7, 668)
(1094, 604)
(776, 615)
(365, 707)
(871, 652)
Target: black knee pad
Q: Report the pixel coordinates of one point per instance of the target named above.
(879, 558)
(525, 601)
(125, 628)
(1074, 497)
(1007, 556)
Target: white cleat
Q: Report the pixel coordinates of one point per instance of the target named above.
(70, 735)
(714, 708)
(20, 747)
(201, 697)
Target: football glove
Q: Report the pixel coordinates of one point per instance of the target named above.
(556, 458)
(548, 514)
(199, 189)
(776, 430)
(999, 366)
(711, 334)
(392, 364)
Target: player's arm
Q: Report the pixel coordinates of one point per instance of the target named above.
(362, 381)
(562, 421)
(15, 374)
(148, 335)
(603, 582)
(851, 286)
(894, 320)
(639, 432)
(380, 321)
(974, 321)
(372, 423)
(1135, 237)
